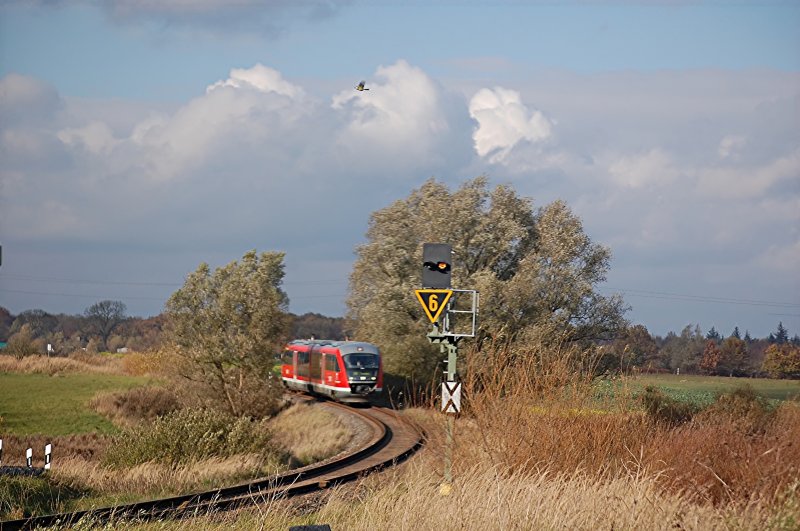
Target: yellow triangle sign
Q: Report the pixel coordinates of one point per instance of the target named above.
(433, 301)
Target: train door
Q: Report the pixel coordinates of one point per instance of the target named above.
(301, 368)
(315, 373)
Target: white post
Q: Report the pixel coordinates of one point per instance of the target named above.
(1, 451)
(29, 457)
(48, 451)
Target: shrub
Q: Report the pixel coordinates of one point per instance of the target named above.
(188, 435)
(742, 408)
(23, 344)
(663, 409)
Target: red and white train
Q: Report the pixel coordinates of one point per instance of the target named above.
(348, 371)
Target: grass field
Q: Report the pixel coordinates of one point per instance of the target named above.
(56, 405)
(710, 386)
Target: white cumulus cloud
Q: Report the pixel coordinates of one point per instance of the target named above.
(259, 77)
(503, 122)
(402, 116)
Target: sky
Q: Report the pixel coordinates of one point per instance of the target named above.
(139, 139)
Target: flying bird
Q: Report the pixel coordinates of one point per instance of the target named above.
(360, 86)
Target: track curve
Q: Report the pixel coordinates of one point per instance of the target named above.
(392, 439)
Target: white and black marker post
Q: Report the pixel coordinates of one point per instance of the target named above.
(1, 451)
(48, 455)
(29, 457)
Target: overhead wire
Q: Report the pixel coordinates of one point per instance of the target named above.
(633, 292)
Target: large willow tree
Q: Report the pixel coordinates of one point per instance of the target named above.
(536, 270)
(225, 326)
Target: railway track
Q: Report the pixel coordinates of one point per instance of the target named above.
(391, 440)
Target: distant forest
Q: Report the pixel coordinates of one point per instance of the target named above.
(104, 327)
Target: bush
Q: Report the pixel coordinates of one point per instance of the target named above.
(23, 344)
(189, 435)
(665, 410)
(742, 408)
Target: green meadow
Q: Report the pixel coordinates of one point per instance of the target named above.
(58, 404)
(702, 390)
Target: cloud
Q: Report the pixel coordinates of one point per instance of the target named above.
(781, 258)
(27, 100)
(228, 164)
(217, 17)
(96, 137)
(503, 122)
(261, 78)
(749, 181)
(402, 118)
(252, 106)
(264, 17)
(730, 146)
(654, 168)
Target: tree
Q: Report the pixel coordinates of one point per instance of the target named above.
(736, 333)
(782, 361)
(40, 322)
(226, 327)
(23, 343)
(684, 351)
(104, 317)
(711, 357)
(635, 348)
(317, 326)
(713, 335)
(536, 272)
(733, 357)
(781, 336)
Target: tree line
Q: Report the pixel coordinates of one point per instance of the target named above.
(35, 329)
(693, 352)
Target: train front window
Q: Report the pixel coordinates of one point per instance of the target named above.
(361, 361)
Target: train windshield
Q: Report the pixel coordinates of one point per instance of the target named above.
(361, 361)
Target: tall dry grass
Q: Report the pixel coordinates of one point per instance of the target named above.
(78, 362)
(410, 498)
(535, 412)
(157, 479)
(309, 433)
(721, 463)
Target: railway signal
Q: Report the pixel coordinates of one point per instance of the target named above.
(438, 300)
(436, 268)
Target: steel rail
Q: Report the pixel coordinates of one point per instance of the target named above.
(385, 447)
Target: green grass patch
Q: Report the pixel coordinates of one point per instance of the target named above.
(701, 391)
(694, 385)
(56, 405)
